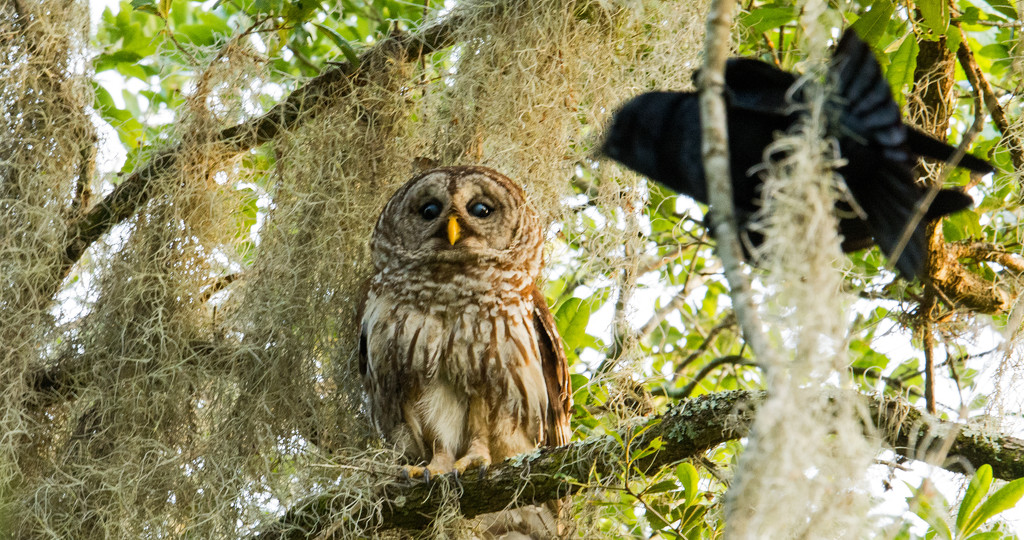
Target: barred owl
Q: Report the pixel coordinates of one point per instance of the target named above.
(458, 352)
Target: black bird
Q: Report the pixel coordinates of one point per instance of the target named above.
(658, 134)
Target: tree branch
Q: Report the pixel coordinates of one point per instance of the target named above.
(933, 80)
(728, 321)
(959, 285)
(303, 104)
(981, 85)
(984, 251)
(684, 392)
(686, 431)
(715, 152)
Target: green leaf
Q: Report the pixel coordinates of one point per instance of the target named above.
(1004, 7)
(995, 51)
(901, 67)
(936, 15)
(662, 487)
(104, 62)
(976, 491)
(689, 478)
(991, 535)
(871, 26)
(1001, 500)
(767, 18)
(247, 213)
(970, 15)
(962, 225)
(129, 130)
(572, 319)
(342, 43)
(216, 24)
(210, 30)
(953, 38)
(195, 33)
(145, 6)
(929, 505)
(656, 522)
(691, 517)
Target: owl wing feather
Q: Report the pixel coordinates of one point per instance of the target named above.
(382, 377)
(556, 373)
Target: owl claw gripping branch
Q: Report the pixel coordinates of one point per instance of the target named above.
(458, 352)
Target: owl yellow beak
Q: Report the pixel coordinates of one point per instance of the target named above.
(454, 231)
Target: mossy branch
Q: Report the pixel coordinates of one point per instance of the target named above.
(332, 85)
(685, 431)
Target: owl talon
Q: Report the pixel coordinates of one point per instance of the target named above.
(472, 461)
(483, 471)
(410, 472)
(426, 476)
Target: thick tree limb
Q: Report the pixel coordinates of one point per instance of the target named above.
(958, 284)
(304, 103)
(686, 431)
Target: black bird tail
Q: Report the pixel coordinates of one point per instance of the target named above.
(925, 145)
(946, 202)
(883, 185)
(888, 212)
(869, 112)
(891, 210)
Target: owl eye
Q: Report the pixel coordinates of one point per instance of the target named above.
(430, 211)
(479, 209)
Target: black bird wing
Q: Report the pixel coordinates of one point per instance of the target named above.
(658, 134)
(753, 85)
(881, 152)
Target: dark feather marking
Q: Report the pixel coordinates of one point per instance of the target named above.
(658, 134)
(412, 347)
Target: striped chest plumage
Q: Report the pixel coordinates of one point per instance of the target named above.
(457, 349)
(462, 335)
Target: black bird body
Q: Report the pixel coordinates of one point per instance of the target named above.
(658, 134)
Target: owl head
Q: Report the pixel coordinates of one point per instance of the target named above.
(458, 215)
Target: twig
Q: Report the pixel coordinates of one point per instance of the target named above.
(170, 35)
(83, 185)
(675, 304)
(684, 392)
(984, 251)
(657, 263)
(892, 381)
(218, 285)
(981, 85)
(928, 339)
(997, 24)
(715, 152)
(727, 322)
(771, 48)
